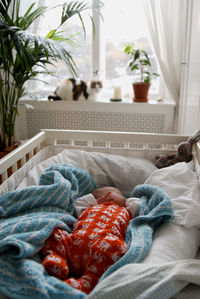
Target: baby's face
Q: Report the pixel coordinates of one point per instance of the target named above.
(112, 194)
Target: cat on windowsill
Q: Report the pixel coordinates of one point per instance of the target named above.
(75, 89)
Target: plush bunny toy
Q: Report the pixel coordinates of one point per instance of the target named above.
(184, 153)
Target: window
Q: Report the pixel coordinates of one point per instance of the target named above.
(81, 48)
(124, 22)
(103, 57)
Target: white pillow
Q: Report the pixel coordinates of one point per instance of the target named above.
(173, 242)
(181, 184)
(106, 169)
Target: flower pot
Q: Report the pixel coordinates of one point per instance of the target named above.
(10, 148)
(7, 150)
(141, 90)
(3, 154)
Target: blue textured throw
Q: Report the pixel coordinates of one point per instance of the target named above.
(28, 216)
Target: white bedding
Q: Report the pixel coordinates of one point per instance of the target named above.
(181, 183)
(106, 169)
(172, 242)
(160, 281)
(181, 238)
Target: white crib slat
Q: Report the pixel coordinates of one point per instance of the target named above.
(37, 149)
(4, 176)
(89, 143)
(23, 161)
(107, 144)
(30, 154)
(14, 167)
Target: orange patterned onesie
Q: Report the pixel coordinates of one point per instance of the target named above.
(96, 242)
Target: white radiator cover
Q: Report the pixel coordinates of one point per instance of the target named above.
(151, 117)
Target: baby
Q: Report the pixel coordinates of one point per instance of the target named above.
(96, 242)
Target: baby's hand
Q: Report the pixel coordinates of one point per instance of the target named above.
(133, 206)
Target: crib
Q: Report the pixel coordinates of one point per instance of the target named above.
(170, 269)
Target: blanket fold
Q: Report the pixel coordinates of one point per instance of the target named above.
(28, 216)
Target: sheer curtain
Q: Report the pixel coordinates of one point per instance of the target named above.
(166, 24)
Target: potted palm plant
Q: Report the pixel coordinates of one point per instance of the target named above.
(23, 54)
(140, 63)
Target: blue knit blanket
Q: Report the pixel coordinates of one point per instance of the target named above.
(28, 216)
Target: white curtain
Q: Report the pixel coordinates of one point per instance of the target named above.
(166, 24)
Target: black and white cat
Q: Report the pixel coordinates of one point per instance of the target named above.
(75, 89)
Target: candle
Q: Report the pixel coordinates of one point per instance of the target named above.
(117, 93)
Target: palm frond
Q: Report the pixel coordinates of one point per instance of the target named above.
(72, 8)
(30, 16)
(23, 54)
(59, 36)
(17, 8)
(34, 48)
(82, 23)
(93, 27)
(4, 16)
(5, 4)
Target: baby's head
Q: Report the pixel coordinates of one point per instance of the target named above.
(105, 194)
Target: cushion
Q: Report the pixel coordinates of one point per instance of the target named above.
(180, 182)
(173, 242)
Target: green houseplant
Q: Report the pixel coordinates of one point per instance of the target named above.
(23, 53)
(140, 64)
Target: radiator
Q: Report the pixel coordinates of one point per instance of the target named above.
(152, 117)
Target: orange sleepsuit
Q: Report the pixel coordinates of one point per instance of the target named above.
(96, 242)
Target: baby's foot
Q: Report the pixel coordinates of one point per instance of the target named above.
(56, 266)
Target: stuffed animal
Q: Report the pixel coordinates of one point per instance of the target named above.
(75, 89)
(184, 153)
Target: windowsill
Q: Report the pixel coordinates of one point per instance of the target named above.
(100, 100)
(103, 97)
(104, 106)
(130, 101)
